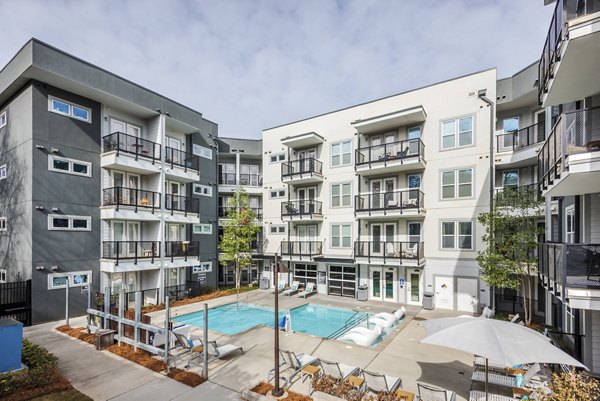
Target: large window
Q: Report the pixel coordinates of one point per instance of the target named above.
(203, 190)
(61, 222)
(457, 132)
(202, 151)
(457, 183)
(281, 157)
(341, 235)
(457, 235)
(69, 166)
(341, 154)
(342, 281)
(68, 109)
(278, 229)
(341, 195)
(202, 228)
(277, 193)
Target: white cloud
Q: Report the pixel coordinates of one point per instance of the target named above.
(250, 65)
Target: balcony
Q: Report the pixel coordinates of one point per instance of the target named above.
(131, 251)
(130, 153)
(567, 67)
(120, 203)
(389, 252)
(305, 210)
(251, 180)
(508, 196)
(176, 157)
(225, 210)
(307, 249)
(390, 157)
(569, 161)
(182, 249)
(405, 203)
(257, 247)
(517, 148)
(177, 203)
(252, 183)
(302, 171)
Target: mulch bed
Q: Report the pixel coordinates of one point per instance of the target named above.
(59, 383)
(78, 333)
(201, 298)
(263, 388)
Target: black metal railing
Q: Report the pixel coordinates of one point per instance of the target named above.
(300, 167)
(176, 157)
(301, 208)
(177, 203)
(125, 143)
(565, 11)
(256, 247)
(570, 265)
(190, 289)
(127, 250)
(513, 196)
(521, 138)
(182, 249)
(251, 180)
(15, 301)
(389, 201)
(227, 179)
(389, 250)
(573, 133)
(301, 248)
(121, 196)
(388, 152)
(225, 210)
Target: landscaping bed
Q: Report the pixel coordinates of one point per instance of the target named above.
(263, 388)
(200, 298)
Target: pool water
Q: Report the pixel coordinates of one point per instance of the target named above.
(317, 320)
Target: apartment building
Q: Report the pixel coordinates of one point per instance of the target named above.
(103, 183)
(385, 195)
(240, 169)
(569, 176)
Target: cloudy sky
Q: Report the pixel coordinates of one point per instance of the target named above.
(252, 64)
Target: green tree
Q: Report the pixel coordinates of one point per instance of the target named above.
(239, 232)
(511, 235)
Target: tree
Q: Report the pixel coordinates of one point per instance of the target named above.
(511, 235)
(572, 386)
(239, 232)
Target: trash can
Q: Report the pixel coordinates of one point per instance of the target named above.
(104, 339)
(265, 283)
(428, 300)
(362, 293)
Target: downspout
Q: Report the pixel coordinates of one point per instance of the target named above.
(161, 228)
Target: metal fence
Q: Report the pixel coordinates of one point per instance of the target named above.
(389, 250)
(387, 152)
(182, 249)
(301, 248)
(176, 157)
(127, 250)
(15, 301)
(389, 201)
(182, 204)
(308, 165)
(521, 138)
(122, 142)
(121, 196)
(301, 208)
(570, 265)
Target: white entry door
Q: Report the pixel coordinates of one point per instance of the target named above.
(466, 295)
(414, 289)
(383, 284)
(444, 292)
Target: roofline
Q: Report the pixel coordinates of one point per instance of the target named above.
(239, 139)
(520, 71)
(382, 98)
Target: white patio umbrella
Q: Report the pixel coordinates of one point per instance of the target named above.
(496, 340)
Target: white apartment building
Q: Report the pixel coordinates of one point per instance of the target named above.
(385, 195)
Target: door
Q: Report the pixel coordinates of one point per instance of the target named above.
(133, 236)
(377, 239)
(173, 200)
(391, 250)
(389, 285)
(414, 236)
(306, 235)
(389, 197)
(133, 184)
(174, 154)
(117, 126)
(466, 294)
(383, 195)
(383, 284)
(307, 158)
(306, 196)
(173, 232)
(414, 289)
(376, 283)
(118, 236)
(444, 292)
(376, 198)
(413, 182)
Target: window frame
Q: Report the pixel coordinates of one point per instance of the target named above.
(3, 172)
(279, 158)
(278, 190)
(341, 154)
(3, 119)
(3, 276)
(200, 229)
(456, 184)
(70, 105)
(570, 221)
(70, 219)
(278, 226)
(70, 279)
(202, 267)
(208, 188)
(340, 195)
(456, 235)
(202, 151)
(72, 162)
(3, 224)
(341, 235)
(456, 133)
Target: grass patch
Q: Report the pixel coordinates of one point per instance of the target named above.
(200, 298)
(263, 388)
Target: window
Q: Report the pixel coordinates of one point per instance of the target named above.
(203, 190)
(570, 225)
(58, 281)
(457, 183)
(202, 228)
(510, 179)
(277, 193)
(457, 235)
(71, 279)
(69, 109)
(341, 235)
(59, 222)
(3, 276)
(341, 154)
(278, 229)
(457, 132)
(3, 172)
(3, 119)
(205, 267)
(69, 166)
(341, 195)
(202, 151)
(510, 124)
(281, 157)
(2, 223)
(80, 279)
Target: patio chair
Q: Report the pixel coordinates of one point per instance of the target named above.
(224, 350)
(480, 396)
(193, 347)
(505, 381)
(280, 287)
(338, 370)
(309, 290)
(376, 382)
(397, 315)
(402, 153)
(292, 290)
(161, 339)
(515, 318)
(593, 264)
(428, 392)
(479, 362)
(411, 252)
(487, 313)
(292, 363)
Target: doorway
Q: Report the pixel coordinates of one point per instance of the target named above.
(383, 284)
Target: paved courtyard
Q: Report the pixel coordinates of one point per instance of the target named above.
(103, 376)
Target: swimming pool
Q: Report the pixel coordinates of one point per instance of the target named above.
(318, 320)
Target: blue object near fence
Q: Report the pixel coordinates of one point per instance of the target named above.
(11, 345)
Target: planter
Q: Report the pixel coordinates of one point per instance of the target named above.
(320, 396)
(252, 396)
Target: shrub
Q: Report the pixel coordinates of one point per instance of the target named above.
(336, 387)
(572, 385)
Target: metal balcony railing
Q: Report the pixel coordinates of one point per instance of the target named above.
(389, 250)
(251, 180)
(176, 157)
(127, 250)
(570, 265)
(177, 203)
(389, 201)
(307, 166)
(521, 138)
(227, 179)
(182, 249)
(256, 247)
(565, 11)
(574, 132)
(508, 196)
(387, 152)
(125, 143)
(225, 210)
(300, 208)
(121, 196)
(302, 248)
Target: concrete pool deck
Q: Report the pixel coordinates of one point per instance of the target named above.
(102, 375)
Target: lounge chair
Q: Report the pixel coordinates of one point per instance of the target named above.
(280, 287)
(389, 317)
(310, 289)
(161, 339)
(292, 363)
(411, 252)
(292, 290)
(505, 381)
(479, 362)
(487, 313)
(338, 370)
(224, 350)
(480, 396)
(362, 335)
(376, 382)
(428, 392)
(515, 318)
(193, 347)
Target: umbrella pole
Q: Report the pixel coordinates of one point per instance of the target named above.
(486, 379)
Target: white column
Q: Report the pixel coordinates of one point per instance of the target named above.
(161, 228)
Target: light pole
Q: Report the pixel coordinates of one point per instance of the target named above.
(277, 391)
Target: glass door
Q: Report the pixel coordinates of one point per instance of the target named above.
(175, 144)
(173, 202)
(376, 239)
(133, 236)
(390, 197)
(376, 282)
(305, 198)
(414, 236)
(413, 184)
(414, 287)
(119, 236)
(389, 285)
(414, 133)
(390, 247)
(133, 184)
(376, 199)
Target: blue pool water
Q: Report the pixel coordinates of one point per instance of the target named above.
(321, 321)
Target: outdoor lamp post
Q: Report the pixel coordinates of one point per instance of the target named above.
(277, 391)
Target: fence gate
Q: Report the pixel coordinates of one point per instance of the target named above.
(15, 301)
